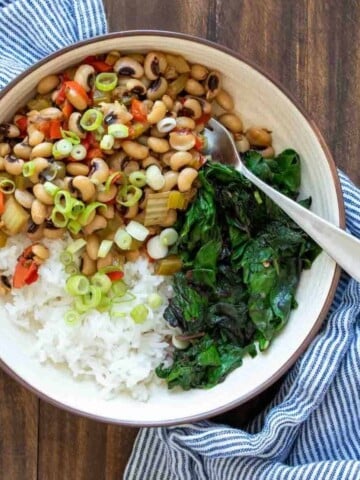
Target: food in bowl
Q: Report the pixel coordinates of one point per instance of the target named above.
(132, 255)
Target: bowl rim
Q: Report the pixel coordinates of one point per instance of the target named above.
(337, 272)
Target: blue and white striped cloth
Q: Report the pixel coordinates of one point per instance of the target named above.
(312, 428)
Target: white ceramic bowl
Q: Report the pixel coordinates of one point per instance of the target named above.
(259, 101)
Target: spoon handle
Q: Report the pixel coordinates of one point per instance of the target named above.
(341, 246)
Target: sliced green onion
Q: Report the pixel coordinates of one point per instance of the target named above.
(77, 207)
(128, 297)
(107, 142)
(106, 81)
(104, 249)
(104, 304)
(7, 186)
(154, 301)
(66, 258)
(71, 269)
(123, 239)
(72, 317)
(74, 227)
(92, 298)
(58, 218)
(137, 230)
(119, 288)
(51, 172)
(80, 306)
(132, 195)
(28, 169)
(118, 130)
(139, 313)
(91, 120)
(51, 188)
(62, 149)
(68, 135)
(138, 179)
(112, 179)
(84, 216)
(78, 285)
(76, 246)
(78, 152)
(102, 281)
(169, 236)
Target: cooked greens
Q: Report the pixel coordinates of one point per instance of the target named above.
(242, 260)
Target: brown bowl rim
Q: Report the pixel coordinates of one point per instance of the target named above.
(281, 371)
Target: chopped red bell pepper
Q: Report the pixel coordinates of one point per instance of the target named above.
(138, 110)
(99, 65)
(199, 143)
(26, 270)
(116, 275)
(21, 123)
(55, 130)
(67, 109)
(2, 202)
(205, 117)
(61, 97)
(72, 85)
(94, 153)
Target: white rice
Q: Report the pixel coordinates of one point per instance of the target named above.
(117, 353)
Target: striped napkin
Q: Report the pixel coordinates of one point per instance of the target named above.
(311, 430)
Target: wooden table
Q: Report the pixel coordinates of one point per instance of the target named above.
(311, 47)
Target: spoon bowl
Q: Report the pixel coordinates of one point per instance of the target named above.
(340, 245)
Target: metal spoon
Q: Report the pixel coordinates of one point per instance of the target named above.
(341, 246)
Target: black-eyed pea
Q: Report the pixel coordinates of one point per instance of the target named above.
(150, 160)
(13, 165)
(259, 136)
(135, 150)
(107, 196)
(224, 99)
(182, 141)
(34, 136)
(185, 123)
(9, 130)
(104, 262)
(136, 86)
(42, 195)
(131, 166)
(47, 84)
(99, 171)
(212, 85)
(79, 101)
(84, 76)
(51, 113)
(186, 178)
(98, 223)
(88, 265)
(193, 87)
(74, 125)
(180, 159)
(85, 187)
(194, 106)
(76, 168)
(22, 150)
(199, 72)
(35, 232)
(241, 142)
(40, 164)
(170, 218)
(169, 102)
(157, 89)
(165, 157)
(112, 57)
(232, 122)
(132, 211)
(171, 179)
(53, 233)
(5, 149)
(38, 212)
(109, 212)
(155, 63)
(40, 251)
(157, 112)
(129, 66)
(92, 246)
(24, 197)
(139, 57)
(43, 149)
(158, 145)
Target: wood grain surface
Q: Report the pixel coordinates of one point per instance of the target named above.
(310, 46)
